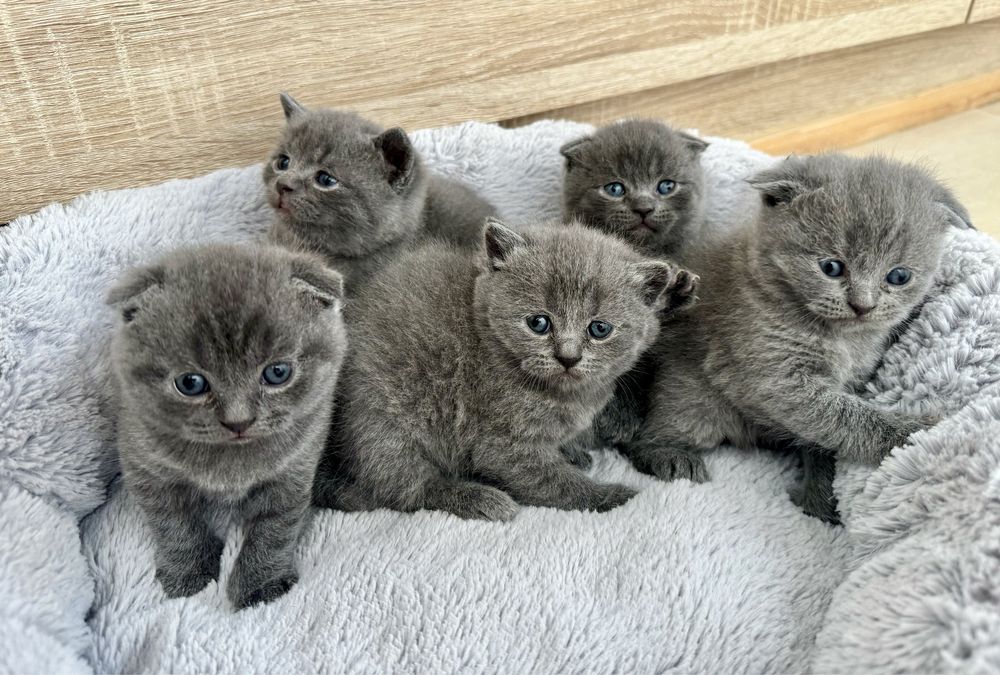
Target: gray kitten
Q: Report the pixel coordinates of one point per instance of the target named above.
(795, 312)
(640, 180)
(357, 194)
(468, 372)
(227, 358)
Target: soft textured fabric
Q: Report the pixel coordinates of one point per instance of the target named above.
(722, 577)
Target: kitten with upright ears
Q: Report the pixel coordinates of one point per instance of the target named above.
(639, 180)
(796, 310)
(345, 188)
(226, 358)
(468, 372)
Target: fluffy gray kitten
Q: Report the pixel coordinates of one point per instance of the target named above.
(345, 188)
(640, 180)
(227, 358)
(468, 372)
(795, 312)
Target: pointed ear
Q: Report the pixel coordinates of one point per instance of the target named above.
(665, 286)
(399, 155)
(291, 106)
(693, 143)
(501, 241)
(127, 293)
(954, 213)
(318, 283)
(573, 151)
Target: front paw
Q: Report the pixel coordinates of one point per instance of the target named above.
(243, 597)
(608, 496)
(673, 464)
(184, 582)
(577, 455)
(474, 501)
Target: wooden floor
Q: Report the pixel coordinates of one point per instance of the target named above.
(964, 151)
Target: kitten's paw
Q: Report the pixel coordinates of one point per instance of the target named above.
(475, 501)
(271, 589)
(610, 495)
(815, 504)
(683, 291)
(185, 583)
(675, 464)
(577, 456)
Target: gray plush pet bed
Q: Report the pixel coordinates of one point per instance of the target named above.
(722, 577)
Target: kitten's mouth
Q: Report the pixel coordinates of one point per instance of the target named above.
(643, 226)
(283, 204)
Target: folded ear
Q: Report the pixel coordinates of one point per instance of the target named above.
(954, 212)
(318, 283)
(501, 241)
(399, 155)
(665, 286)
(779, 185)
(693, 143)
(291, 106)
(573, 151)
(128, 291)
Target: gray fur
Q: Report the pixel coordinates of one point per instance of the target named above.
(774, 351)
(639, 154)
(384, 199)
(453, 403)
(226, 312)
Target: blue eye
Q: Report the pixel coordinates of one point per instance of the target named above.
(277, 373)
(191, 384)
(898, 276)
(539, 323)
(665, 187)
(615, 189)
(599, 329)
(282, 162)
(323, 179)
(832, 268)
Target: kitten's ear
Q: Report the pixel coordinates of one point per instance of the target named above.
(665, 286)
(318, 282)
(573, 151)
(399, 155)
(693, 143)
(777, 186)
(127, 292)
(291, 106)
(954, 213)
(501, 241)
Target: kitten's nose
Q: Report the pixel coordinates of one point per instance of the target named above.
(642, 213)
(859, 309)
(239, 427)
(568, 361)
(284, 187)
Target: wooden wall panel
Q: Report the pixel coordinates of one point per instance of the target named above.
(116, 93)
(982, 10)
(764, 102)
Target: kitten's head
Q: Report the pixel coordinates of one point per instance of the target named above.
(636, 179)
(224, 345)
(853, 242)
(342, 185)
(570, 307)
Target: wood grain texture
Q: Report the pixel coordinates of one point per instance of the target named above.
(773, 98)
(118, 93)
(983, 10)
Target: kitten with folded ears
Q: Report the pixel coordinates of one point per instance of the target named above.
(359, 195)
(467, 372)
(796, 310)
(226, 359)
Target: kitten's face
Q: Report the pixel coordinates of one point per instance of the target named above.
(639, 180)
(855, 242)
(230, 347)
(570, 307)
(341, 184)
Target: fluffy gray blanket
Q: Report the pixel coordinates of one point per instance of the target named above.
(722, 577)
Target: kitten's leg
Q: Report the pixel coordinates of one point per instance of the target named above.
(815, 494)
(668, 460)
(543, 477)
(186, 551)
(265, 567)
(577, 451)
